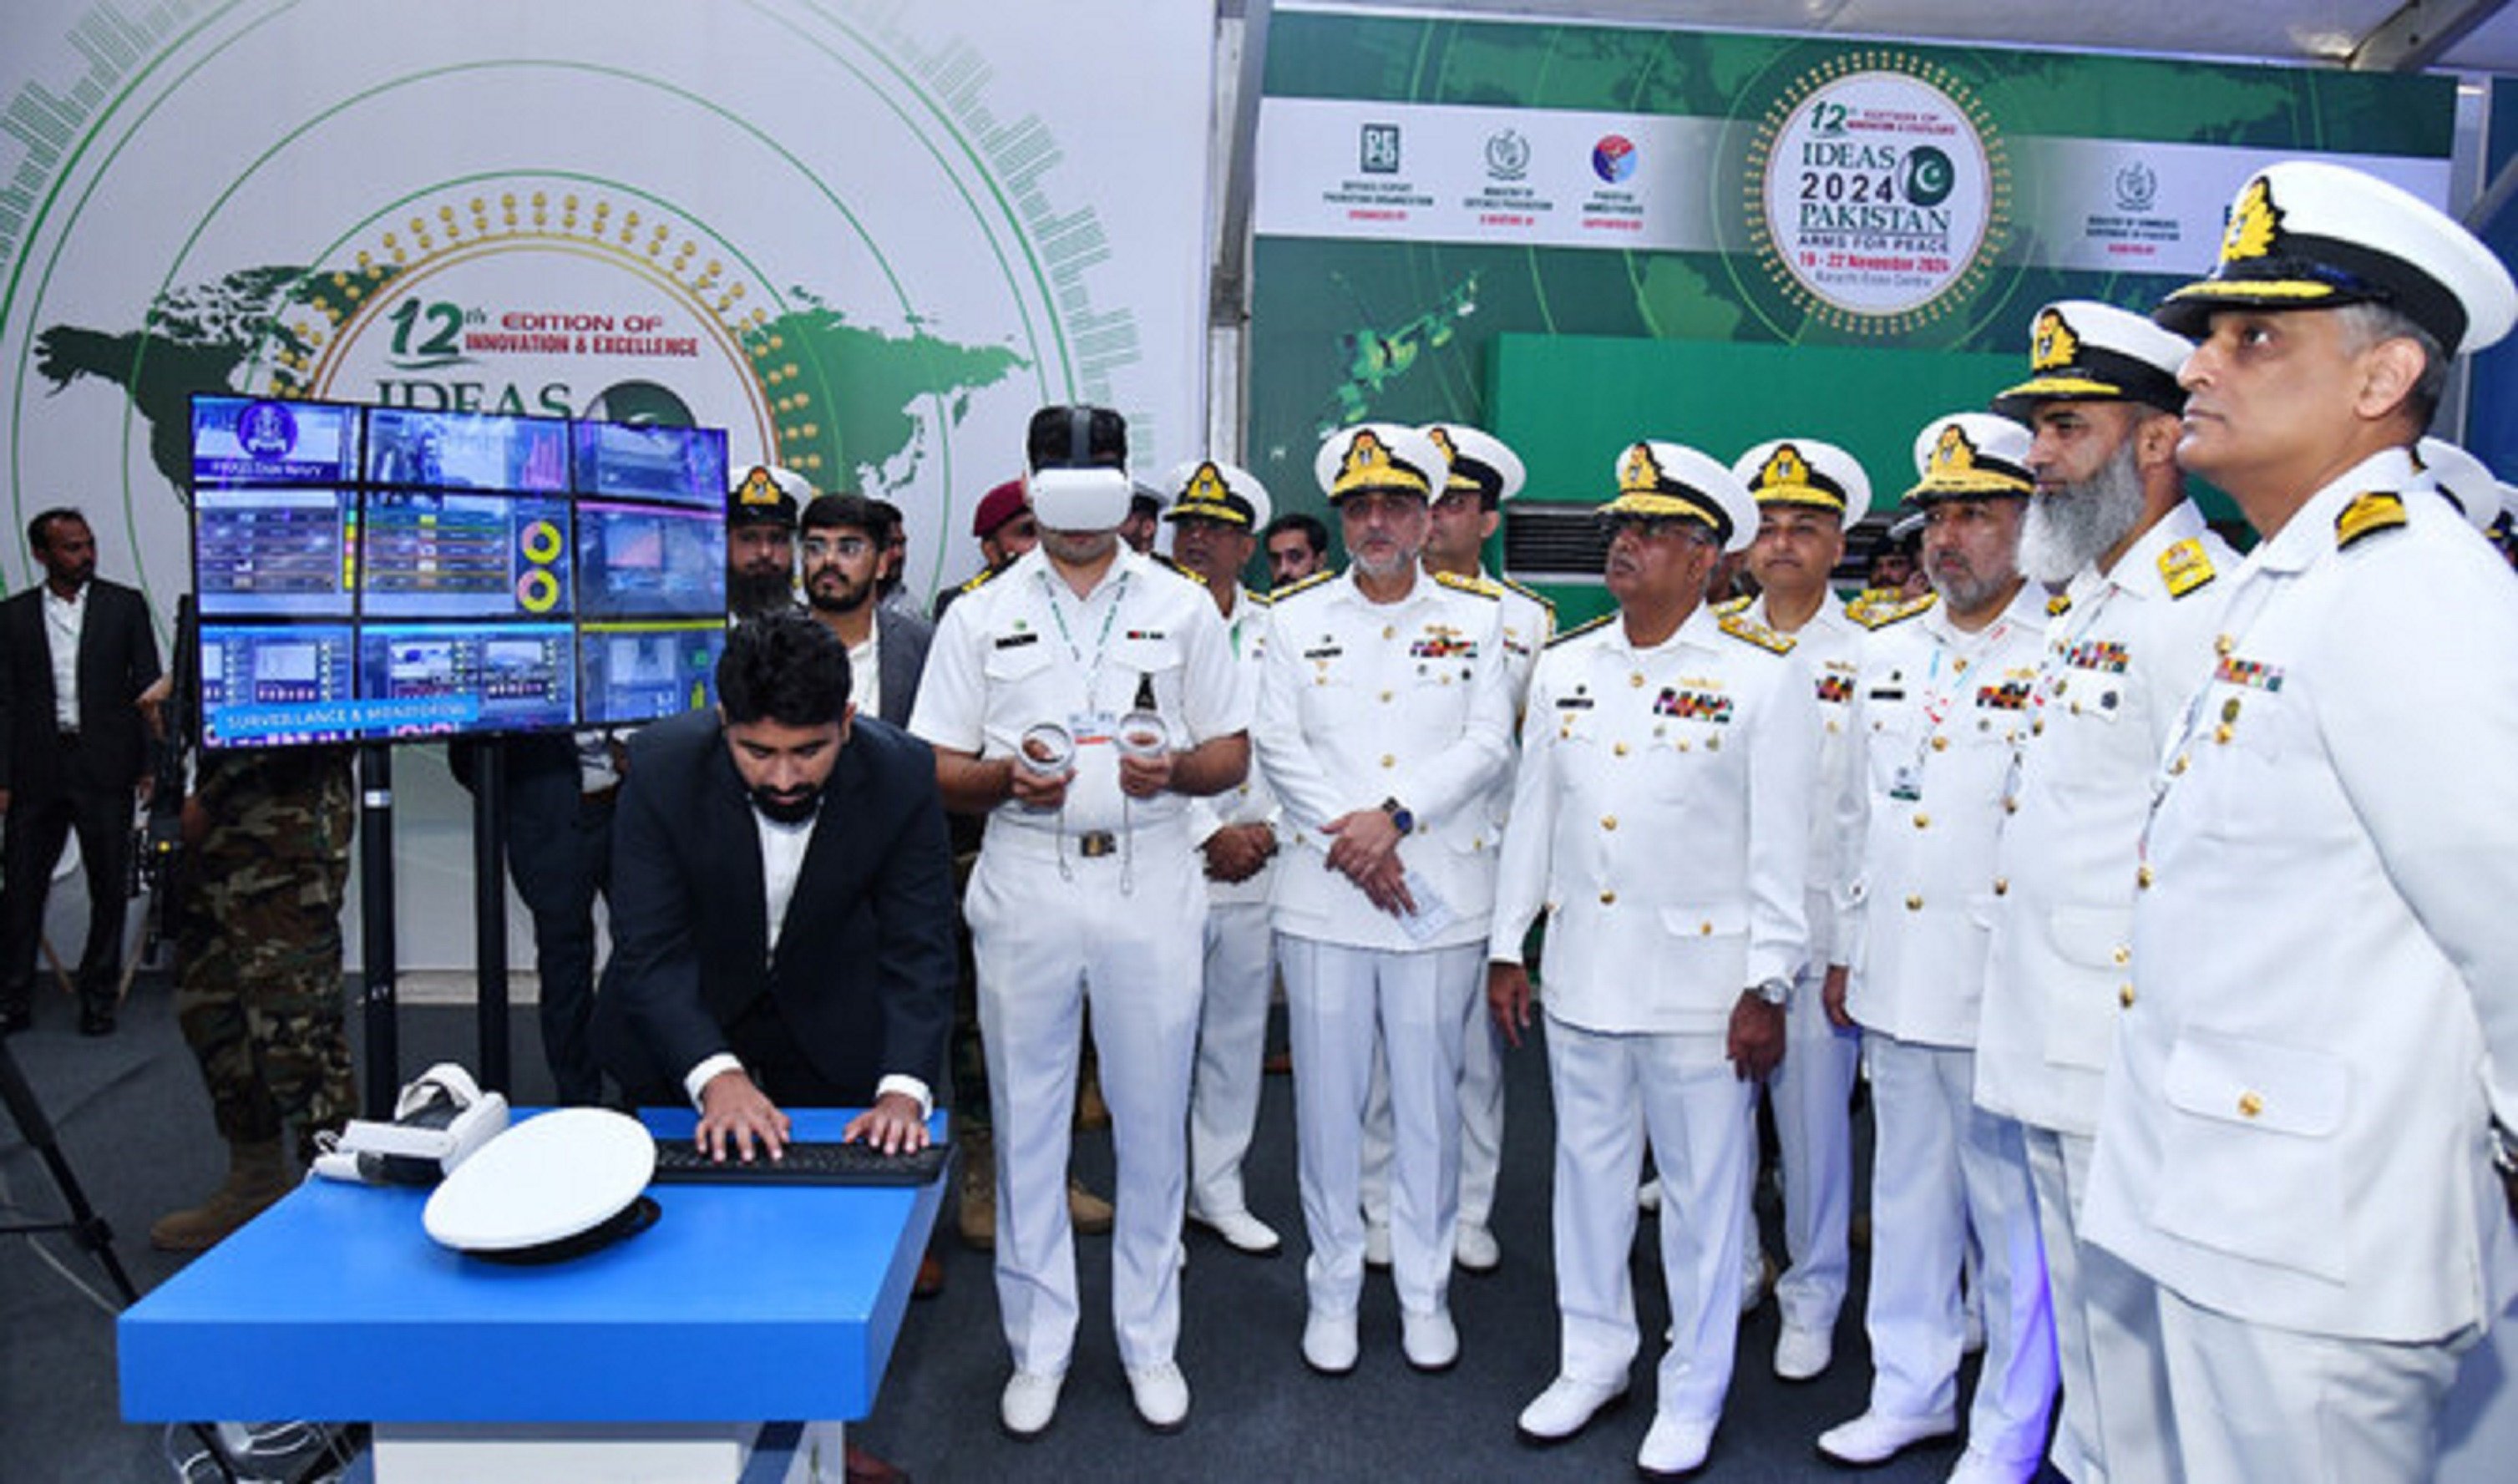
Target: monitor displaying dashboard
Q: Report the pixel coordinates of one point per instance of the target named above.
(367, 573)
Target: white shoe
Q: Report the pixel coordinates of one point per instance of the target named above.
(1376, 1246)
(1030, 1402)
(1241, 1231)
(1474, 1248)
(1328, 1342)
(1648, 1197)
(1428, 1340)
(1803, 1353)
(1162, 1395)
(1757, 1276)
(1876, 1437)
(1566, 1408)
(1974, 1467)
(1675, 1447)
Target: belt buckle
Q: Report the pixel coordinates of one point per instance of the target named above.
(1093, 845)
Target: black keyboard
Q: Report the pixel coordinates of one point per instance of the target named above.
(679, 1161)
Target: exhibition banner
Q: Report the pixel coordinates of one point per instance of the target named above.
(867, 236)
(1427, 185)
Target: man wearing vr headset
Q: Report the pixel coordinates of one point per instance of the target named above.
(1078, 699)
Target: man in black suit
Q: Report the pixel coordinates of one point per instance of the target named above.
(75, 653)
(782, 906)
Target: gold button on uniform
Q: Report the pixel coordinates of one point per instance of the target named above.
(1705, 929)
(1914, 903)
(1608, 821)
(1608, 899)
(2222, 733)
(1941, 744)
(1922, 820)
(1620, 749)
(2143, 878)
(1389, 633)
(1388, 761)
(2123, 954)
(2251, 1104)
(2002, 886)
(1636, 679)
(2124, 996)
(1385, 696)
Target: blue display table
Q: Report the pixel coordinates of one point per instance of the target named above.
(742, 1303)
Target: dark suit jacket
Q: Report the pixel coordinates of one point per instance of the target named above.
(864, 971)
(118, 660)
(902, 659)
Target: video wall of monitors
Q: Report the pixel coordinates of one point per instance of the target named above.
(368, 572)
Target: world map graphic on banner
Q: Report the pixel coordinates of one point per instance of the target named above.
(854, 235)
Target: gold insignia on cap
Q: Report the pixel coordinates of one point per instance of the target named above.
(2051, 344)
(1952, 454)
(1637, 473)
(758, 489)
(2255, 223)
(1367, 464)
(1205, 487)
(1441, 438)
(1785, 466)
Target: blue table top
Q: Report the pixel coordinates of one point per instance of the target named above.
(741, 1303)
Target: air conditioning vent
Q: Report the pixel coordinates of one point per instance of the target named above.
(1561, 544)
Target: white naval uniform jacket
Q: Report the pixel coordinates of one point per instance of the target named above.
(1248, 802)
(2122, 655)
(1935, 714)
(1826, 646)
(1658, 820)
(1361, 702)
(1020, 649)
(2294, 1130)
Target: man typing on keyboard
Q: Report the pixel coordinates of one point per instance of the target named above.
(781, 906)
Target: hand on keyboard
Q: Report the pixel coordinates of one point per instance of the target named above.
(806, 1162)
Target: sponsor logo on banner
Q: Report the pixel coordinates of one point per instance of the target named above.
(1507, 155)
(1614, 160)
(2135, 231)
(1377, 149)
(1880, 191)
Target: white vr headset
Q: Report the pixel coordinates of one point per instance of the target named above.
(440, 1120)
(1079, 499)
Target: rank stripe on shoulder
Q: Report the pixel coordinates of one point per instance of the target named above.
(2185, 567)
(1485, 587)
(2059, 605)
(1167, 563)
(1263, 599)
(1580, 630)
(1732, 605)
(1280, 595)
(1749, 631)
(2368, 515)
(1880, 618)
(986, 576)
(1532, 593)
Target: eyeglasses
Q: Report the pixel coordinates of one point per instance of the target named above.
(1652, 527)
(848, 546)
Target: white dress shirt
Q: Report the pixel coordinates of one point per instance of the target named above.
(65, 618)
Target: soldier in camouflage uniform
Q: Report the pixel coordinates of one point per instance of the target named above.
(258, 968)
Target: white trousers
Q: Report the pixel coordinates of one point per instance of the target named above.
(2259, 1404)
(1335, 999)
(1812, 1093)
(1481, 1124)
(1940, 1162)
(2116, 1419)
(1044, 943)
(1232, 1041)
(1612, 1091)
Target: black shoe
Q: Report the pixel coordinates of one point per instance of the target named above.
(96, 1019)
(15, 1018)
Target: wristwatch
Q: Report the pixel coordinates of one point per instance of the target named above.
(1774, 991)
(1399, 816)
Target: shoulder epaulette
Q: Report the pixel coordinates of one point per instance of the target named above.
(1485, 588)
(1532, 593)
(986, 576)
(2366, 516)
(1878, 619)
(1580, 630)
(1732, 605)
(1263, 599)
(1190, 573)
(2185, 567)
(1750, 631)
(1280, 595)
(2059, 605)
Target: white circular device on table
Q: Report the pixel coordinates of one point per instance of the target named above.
(548, 1188)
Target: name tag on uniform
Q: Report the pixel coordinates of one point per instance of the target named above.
(1906, 783)
(1088, 727)
(1017, 640)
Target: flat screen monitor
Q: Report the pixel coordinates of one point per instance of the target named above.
(387, 573)
(247, 440)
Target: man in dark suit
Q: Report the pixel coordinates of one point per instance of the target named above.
(782, 906)
(75, 653)
(843, 538)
